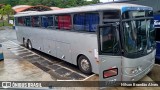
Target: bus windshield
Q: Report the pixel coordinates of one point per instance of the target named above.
(139, 34)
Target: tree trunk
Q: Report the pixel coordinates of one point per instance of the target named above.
(2, 20)
(8, 18)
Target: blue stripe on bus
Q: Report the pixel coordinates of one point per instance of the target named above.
(1, 56)
(135, 8)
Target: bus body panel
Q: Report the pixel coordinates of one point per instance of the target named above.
(141, 66)
(65, 45)
(108, 62)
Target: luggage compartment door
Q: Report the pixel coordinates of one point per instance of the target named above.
(63, 51)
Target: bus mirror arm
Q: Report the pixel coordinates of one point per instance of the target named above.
(122, 52)
(116, 32)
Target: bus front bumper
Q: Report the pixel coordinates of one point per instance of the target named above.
(137, 76)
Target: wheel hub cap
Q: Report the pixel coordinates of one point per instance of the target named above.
(85, 64)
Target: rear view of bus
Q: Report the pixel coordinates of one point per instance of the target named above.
(132, 54)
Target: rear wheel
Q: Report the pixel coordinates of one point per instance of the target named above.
(84, 65)
(24, 42)
(29, 44)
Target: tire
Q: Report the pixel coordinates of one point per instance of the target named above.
(24, 42)
(84, 65)
(29, 45)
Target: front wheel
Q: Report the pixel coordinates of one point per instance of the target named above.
(84, 65)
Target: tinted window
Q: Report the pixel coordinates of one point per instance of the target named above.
(47, 21)
(108, 39)
(27, 21)
(111, 15)
(86, 21)
(36, 21)
(157, 34)
(136, 14)
(64, 22)
(20, 21)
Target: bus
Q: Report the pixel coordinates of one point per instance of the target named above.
(114, 40)
(157, 27)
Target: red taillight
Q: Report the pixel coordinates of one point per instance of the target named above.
(110, 73)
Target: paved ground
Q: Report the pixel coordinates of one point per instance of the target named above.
(24, 65)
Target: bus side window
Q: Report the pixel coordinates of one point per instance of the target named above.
(64, 22)
(86, 22)
(27, 21)
(92, 22)
(35, 21)
(47, 21)
(111, 14)
(79, 22)
(20, 21)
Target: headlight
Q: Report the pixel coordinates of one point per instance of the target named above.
(132, 71)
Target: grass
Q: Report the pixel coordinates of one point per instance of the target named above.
(5, 24)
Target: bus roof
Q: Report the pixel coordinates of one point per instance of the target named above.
(96, 7)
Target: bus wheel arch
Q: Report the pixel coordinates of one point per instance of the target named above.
(84, 64)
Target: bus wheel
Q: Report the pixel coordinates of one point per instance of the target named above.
(29, 45)
(84, 65)
(24, 42)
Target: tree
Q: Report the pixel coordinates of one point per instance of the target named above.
(8, 11)
(2, 12)
(57, 3)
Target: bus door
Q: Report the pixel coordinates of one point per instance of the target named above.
(109, 53)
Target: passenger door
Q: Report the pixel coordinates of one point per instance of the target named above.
(109, 53)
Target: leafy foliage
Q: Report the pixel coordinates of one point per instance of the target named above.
(6, 10)
(56, 3)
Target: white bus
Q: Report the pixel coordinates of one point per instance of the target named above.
(114, 40)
